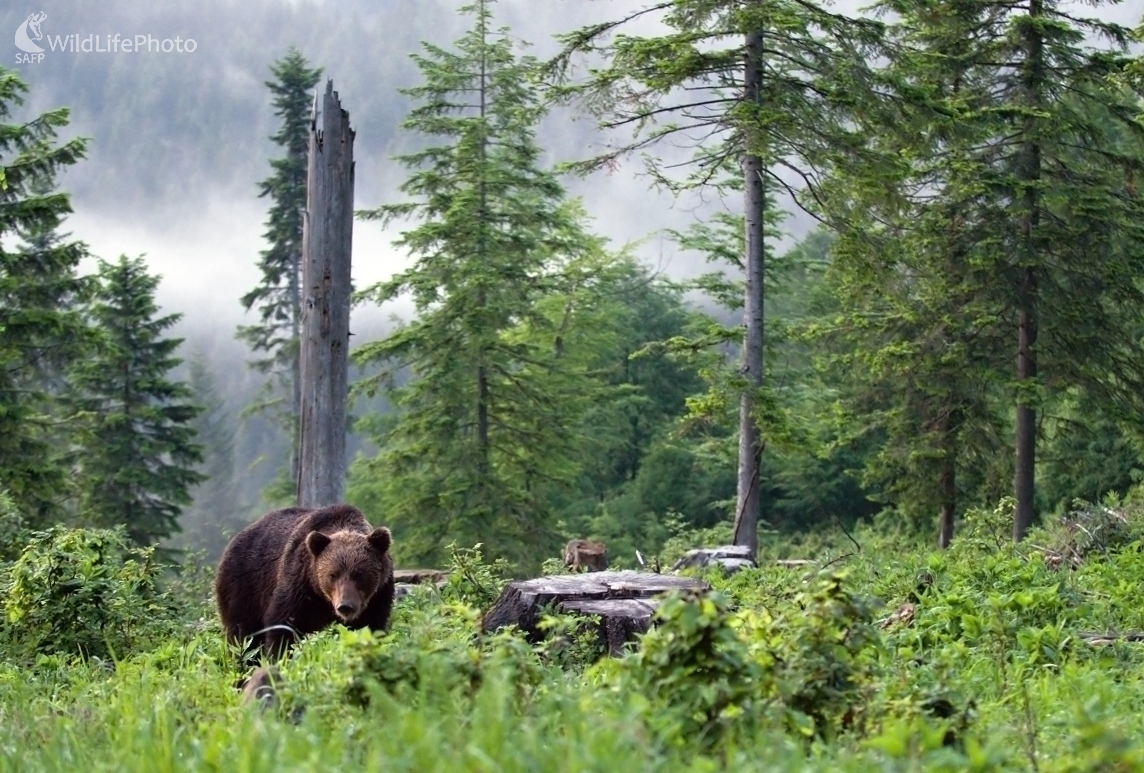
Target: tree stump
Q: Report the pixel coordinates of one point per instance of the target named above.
(623, 602)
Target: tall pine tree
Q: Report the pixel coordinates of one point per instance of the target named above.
(478, 438)
(139, 455)
(1012, 220)
(764, 85)
(41, 329)
(278, 296)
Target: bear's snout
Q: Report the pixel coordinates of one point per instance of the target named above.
(347, 601)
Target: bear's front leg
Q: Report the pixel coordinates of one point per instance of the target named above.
(280, 630)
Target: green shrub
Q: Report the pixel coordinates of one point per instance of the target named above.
(83, 592)
(471, 580)
(705, 669)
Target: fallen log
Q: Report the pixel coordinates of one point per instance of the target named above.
(793, 563)
(731, 557)
(1098, 639)
(418, 576)
(408, 579)
(622, 602)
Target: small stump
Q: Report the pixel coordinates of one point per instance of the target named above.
(259, 688)
(623, 602)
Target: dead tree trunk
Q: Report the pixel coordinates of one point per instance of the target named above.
(326, 243)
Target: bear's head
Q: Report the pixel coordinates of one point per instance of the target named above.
(349, 567)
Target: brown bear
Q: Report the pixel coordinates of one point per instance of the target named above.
(296, 571)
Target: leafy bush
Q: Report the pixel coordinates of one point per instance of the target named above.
(705, 668)
(83, 592)
(471, 580)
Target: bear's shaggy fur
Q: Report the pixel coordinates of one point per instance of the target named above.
(295, 571)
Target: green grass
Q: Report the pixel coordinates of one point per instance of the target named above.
(789, 671)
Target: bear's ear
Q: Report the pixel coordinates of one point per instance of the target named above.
(316, 542)
(381, 539)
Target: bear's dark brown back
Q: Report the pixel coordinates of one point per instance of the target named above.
(248, 571)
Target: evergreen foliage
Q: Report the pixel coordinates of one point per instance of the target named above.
(750, 80)
(278, 297)
(496, 373)
(138, 455)
(41, 328)
(999, 214)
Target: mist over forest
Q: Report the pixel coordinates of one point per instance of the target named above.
(180, 141)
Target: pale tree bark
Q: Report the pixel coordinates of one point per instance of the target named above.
(324, 364)
(748, 508)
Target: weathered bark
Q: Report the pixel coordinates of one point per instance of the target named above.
(1098, 639)
(748, 505)
(260, 686)
(1024, 483)
(296, 367)
(794, 563)
(618, 621)
(583, 554)
(326, 243)
(405, 580)
(624, 602)
(1028, 174)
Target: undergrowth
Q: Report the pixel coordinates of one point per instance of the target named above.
(877, 656)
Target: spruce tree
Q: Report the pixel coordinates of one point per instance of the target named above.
(278, 296)
(41, 330)
(766, 86)
(1006, 198)
(138, 452)
(494, 378)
